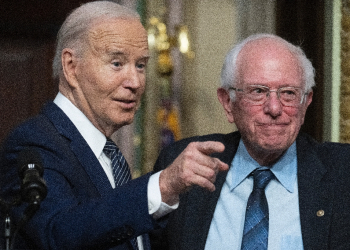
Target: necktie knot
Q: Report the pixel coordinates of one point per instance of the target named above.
(110, 147)
(262, 178)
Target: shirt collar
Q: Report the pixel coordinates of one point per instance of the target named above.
(285, 170)
(94, 138)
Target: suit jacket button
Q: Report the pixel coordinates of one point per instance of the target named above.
(320, 213)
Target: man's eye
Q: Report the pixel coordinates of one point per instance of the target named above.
(257, 90)
(288, 92)
(141, 65)
(117, 64)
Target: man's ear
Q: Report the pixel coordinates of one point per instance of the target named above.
(69, 63)
(225, 100)
(309, 98)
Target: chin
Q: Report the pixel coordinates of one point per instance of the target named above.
(124, 118)
(126, 122)
(276, 146)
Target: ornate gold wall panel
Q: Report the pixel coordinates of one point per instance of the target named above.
(345, 74)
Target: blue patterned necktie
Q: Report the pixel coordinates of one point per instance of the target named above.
(256, 225)
(121, 170)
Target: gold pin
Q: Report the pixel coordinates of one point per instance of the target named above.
(320, 213)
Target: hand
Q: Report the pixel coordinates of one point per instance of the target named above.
(193, 166)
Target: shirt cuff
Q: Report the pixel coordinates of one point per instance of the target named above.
(156, 207)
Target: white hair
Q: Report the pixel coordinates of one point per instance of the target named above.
(73, 31)
(229, 68)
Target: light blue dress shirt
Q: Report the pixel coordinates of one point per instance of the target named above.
(282, 196)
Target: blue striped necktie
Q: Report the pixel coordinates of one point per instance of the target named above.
(121, 171)
(256, 225)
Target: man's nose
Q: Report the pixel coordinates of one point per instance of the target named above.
(273, 105)
(132, 78)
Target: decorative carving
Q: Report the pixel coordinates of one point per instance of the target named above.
(344, 135)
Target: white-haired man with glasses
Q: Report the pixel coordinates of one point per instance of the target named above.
(283, 190)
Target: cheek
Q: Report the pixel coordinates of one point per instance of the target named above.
(92, 80)
(244, 116)
(143, 84)
(297, 115)
(250, 112)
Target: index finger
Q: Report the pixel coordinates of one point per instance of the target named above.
(209, 147)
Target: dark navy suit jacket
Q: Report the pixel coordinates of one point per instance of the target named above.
(81, 210)
(323, 183)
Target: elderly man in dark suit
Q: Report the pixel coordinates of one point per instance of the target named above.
(283, 190)
(91, 203)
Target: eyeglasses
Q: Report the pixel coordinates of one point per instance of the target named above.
(258, 94)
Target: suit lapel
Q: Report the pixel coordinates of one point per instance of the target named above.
(315, 195)
(91, 165)
(79, 147)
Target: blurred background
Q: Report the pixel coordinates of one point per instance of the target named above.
(188, 40)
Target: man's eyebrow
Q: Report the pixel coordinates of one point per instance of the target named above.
(145, 57)
(121, 53)
(116, 53)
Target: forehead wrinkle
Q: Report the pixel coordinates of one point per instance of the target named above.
(114, 43)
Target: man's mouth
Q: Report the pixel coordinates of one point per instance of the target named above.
(272, 124)
(127, 103)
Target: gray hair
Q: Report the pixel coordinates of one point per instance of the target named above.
(73, 31)
(229, 68)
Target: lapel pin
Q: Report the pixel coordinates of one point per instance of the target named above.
(320, 213)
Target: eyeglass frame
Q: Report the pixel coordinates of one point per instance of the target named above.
(269, 92)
